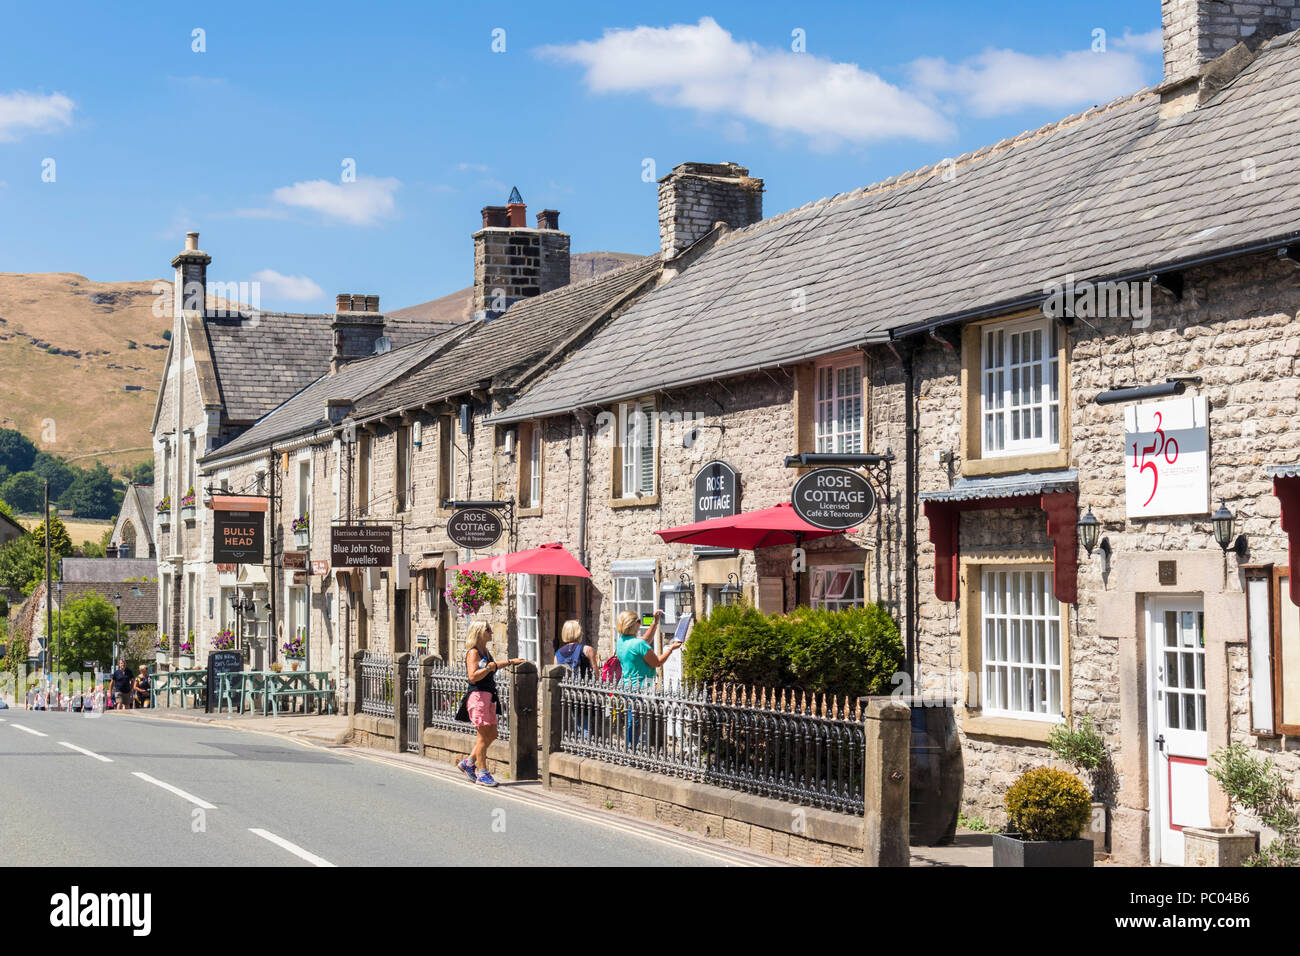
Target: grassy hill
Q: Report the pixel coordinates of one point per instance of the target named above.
(69, 347)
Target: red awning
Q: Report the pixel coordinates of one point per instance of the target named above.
(237, 503)
(548, 559)
(752, 529)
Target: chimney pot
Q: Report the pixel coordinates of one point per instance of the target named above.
(494, 217)
(343, 302)
(372, 303)
(548, 219)
(517, 215)
(191, 242)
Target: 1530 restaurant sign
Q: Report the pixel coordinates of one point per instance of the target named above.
(1166, 458)
(238, 536)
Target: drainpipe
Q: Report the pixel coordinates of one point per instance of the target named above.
(909, 505)
(585, 425)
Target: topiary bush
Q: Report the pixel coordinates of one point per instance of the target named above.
(851, 653)
(1048, 804)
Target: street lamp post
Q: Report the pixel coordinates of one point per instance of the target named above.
(117, 636)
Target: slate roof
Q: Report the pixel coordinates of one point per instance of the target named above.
(110, 570)
(139, 599)
(306, 411)
(261, 361)
(497, 351)
(1109, 192)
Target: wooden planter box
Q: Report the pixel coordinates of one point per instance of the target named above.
(1216, 846)
(1012, 851)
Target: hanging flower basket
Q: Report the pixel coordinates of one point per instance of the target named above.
(302, 531)
(188, 506)
(473, 589)
(164, 509)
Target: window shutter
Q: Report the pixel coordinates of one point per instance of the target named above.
(647, 450)
(629, 449)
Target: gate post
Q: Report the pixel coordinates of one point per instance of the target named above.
(523, 721)
(886, 791)
(399, 702)
(427, 663)
(352, 697)
(551, 727)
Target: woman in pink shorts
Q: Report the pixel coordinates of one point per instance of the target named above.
(481, 703)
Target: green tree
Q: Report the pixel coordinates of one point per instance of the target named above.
(142, 473)
(56, 471)
(17, 453)
(93, 494)
(60, 542)
(89, 629)
(5, 509)
(22, 564)
(25, 491)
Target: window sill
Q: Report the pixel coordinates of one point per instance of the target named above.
(1060, 458)
(528, 513)
(1011, 728)
(645, 501)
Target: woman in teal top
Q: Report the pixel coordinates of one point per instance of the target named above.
(637, 654)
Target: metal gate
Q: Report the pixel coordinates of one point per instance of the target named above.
(410, 687)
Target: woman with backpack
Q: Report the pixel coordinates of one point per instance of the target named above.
(480, 704)
(573, 653)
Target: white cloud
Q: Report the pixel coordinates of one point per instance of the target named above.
(287, 288)
(703, 67)
(1003, 81)
(1152, 41)
(361, 203)
(472, 167)
(22, 112)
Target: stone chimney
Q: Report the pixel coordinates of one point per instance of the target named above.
(190, 288)
(513, 262)
(695, 196)
(1208, 42)
(356, 328)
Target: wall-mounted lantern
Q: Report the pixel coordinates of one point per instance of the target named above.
(1223, 520)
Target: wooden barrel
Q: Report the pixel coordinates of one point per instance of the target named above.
(936, 773)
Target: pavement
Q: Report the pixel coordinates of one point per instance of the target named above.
(297, 780)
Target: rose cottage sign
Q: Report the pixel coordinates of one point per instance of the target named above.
(833, 499)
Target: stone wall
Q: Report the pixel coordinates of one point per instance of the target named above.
(1196, 31)
(521, 263)
(694, 196)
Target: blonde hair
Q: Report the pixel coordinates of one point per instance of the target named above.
(571, 632)
(626, 622)
(479, 632)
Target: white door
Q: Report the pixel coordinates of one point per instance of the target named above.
(1180, 788)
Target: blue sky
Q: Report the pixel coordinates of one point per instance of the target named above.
(247, 140)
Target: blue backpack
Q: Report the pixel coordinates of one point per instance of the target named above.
(571, 656)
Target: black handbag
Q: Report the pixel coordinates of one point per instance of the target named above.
(462, 713)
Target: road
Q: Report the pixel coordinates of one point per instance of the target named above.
(120, 790)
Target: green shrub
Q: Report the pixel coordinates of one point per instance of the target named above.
(855, 651)
(842, 653)
(1048, 804)
(737, 644)
(1257, 788)
(1084, 748)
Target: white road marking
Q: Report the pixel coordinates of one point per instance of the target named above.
(83, 750)
(176, 790)
(34, 733)
(293, 848)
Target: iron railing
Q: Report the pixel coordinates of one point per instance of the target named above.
(376, 690)
(448, 685)
(411, 698)
(779, 744)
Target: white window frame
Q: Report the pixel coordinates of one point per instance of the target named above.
(527, 619)
(1017, 601)
(1002, 404)
(838, 406)
(636, 592)
(295, 603)
(835, 587)
(639, 475)
(338, 477)
(535, 466)
(402, 469)
(303, 492)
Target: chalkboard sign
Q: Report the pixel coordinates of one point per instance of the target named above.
(221, 662)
